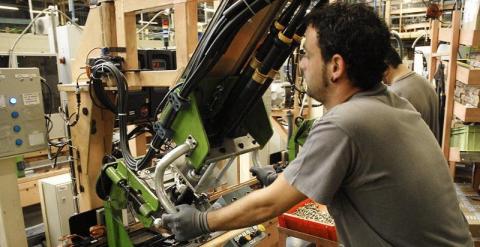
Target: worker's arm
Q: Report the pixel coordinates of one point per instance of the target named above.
(256, 207)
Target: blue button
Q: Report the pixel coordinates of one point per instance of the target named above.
(16, 128)
(13, 101)
(18, 142)
(15, 114)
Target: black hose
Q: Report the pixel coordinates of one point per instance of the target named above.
(256, 86)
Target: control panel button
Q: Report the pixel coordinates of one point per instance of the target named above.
(18, 142)
(16, 128)
(261, 228)
(242, 240)
(15, 114)
(12, 101)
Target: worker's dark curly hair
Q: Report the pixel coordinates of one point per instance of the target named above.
(356, 33)
(392, 58)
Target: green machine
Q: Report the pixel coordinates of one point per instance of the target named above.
(204, 119)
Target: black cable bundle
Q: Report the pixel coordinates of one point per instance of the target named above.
(211, 47)
(120, 108)
(284, 43)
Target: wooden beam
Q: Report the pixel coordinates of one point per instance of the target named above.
(127, 35)
(434, 34)
(12, 228)
(91, 39)
(138, 145)
(450, 83)
(131, 58)
(388, 10)
(186, 36)
(164, 78)
(108, 23)
(146, 5)
(92, 136)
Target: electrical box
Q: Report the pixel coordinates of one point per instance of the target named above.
(56, 198)
(22, 122)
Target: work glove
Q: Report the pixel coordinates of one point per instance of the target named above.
(265, 174)
(187, 223)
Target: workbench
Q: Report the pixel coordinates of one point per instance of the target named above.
(283, 233)
(469, 200)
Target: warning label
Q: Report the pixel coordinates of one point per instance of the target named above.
(31, 98)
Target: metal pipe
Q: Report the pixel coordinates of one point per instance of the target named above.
(220, 175)
(162, 165)
(205, 175)
(255, 159)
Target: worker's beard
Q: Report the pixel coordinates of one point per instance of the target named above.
(319, 93)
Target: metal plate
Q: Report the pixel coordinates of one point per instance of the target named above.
(232, 147)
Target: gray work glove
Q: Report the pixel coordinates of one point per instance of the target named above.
(187, 223)
(265, 174)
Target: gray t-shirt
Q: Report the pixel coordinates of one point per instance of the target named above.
(375, 164)
(421, 94)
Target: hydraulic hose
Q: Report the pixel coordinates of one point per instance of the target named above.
(262, 75)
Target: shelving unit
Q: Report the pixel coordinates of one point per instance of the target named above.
(470, 76)
(409, 19)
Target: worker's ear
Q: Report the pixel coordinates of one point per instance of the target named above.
(337, 67)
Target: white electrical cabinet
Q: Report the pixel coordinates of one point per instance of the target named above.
(22, 122)
(56, 199)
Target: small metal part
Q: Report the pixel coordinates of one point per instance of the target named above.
(310, 211)
(157, 222)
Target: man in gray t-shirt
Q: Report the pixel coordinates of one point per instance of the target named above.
(380, 194)
(371, 159)
(413, 87)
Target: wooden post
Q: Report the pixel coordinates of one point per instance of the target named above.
(388, 9)
(109, 31)
(12, 228)
(400, 20)
(92, 135)
(432, 64)
(186, 37)
(450, 86)
(127, 34)
(138, 145)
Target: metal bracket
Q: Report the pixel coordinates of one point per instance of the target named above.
(162, 132)
(178, 102)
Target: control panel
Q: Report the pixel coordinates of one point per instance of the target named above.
(250, 237)
(22, 122)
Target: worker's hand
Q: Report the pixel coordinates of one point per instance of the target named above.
(187, 223)
(265, 174)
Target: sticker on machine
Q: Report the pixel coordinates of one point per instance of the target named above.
(3, 103)
(31, 98)
(36, 138)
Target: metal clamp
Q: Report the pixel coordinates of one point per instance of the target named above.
(178, 102)
(162, 132)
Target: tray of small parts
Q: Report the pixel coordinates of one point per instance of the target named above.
(311, 218)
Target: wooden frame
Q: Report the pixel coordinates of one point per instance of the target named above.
(455, 36)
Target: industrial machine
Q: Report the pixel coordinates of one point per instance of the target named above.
(21, 109)
(22, 130)
(213, 113)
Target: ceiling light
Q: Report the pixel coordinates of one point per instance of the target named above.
(8, 7)
(143, 22)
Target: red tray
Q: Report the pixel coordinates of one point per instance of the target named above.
(291, 221)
